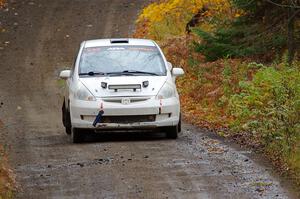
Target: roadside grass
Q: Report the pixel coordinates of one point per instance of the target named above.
(254, 104)
(7, 179)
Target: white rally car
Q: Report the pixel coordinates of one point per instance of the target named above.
(120, 84)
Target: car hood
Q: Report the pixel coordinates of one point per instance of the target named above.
(122, 85)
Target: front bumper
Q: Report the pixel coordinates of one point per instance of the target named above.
(166, 113)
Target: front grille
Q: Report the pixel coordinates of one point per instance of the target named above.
(128, 119)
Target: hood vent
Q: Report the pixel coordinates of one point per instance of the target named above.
(119, 41)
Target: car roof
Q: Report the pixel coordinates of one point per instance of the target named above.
(118, 42)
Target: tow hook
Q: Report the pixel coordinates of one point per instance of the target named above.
(99, 116)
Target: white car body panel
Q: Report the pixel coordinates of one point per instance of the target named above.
(94, 85)
(143, 101)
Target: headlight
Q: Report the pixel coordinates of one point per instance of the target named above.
(165, 92)
(83, 93)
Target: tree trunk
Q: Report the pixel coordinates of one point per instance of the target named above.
(291, 35)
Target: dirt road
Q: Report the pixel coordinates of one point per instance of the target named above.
(40, 38)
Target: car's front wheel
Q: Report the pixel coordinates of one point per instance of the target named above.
(77, 135)
(172, 132)
(66, 119)
(179, 124)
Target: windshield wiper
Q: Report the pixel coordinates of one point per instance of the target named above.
(139, 72)
(125, 72)
(92, 73)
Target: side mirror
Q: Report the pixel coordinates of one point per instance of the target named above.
(65, 74)
(170, 66)
(176, 72)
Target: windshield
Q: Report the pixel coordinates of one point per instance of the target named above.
(122, 60)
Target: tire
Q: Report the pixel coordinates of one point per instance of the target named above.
(63, 111)
(172, 132)
(76, 135)
(66, 119)
(179, 124)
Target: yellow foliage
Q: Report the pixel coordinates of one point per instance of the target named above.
(169, 17)
(156, 12)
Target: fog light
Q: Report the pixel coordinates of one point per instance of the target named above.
(145, 84)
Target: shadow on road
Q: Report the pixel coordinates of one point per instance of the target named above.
(124, 136)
